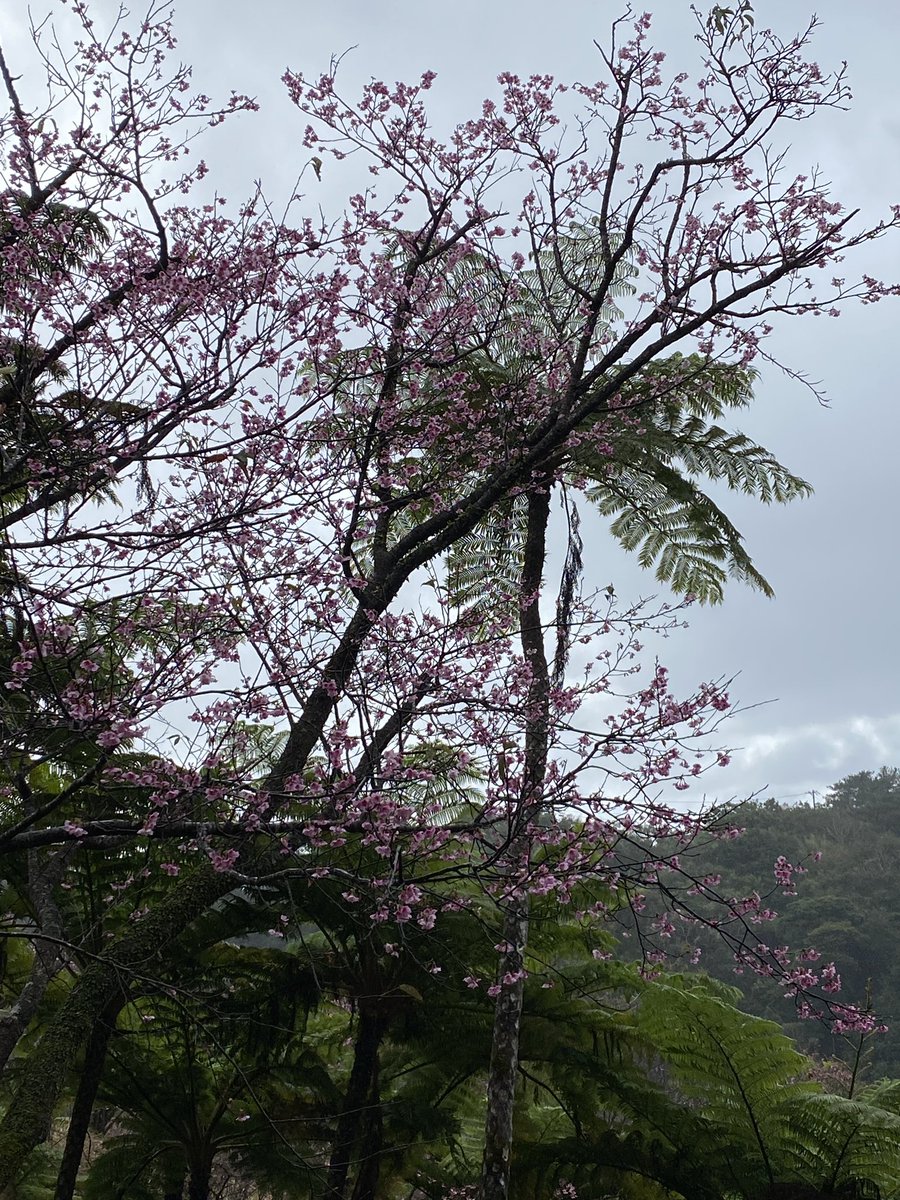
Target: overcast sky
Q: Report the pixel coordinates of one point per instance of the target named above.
(825, 651)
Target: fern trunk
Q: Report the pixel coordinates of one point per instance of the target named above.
(357, 1099)
(200, 1177)
(366, 1186)
(504, 1063)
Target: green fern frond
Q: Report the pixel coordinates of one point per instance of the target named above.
(660, 511)
(883, 1094)
(37, 1177)
(690, 383)
(484, 567)
(842, 1146)
(736, 1065)
(131, 1168)
(449, 791)
(693, 546)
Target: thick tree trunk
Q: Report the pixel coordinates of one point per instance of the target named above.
(366, 1186)
(27, 1120)
(44, 873)
(199, 1179)
(504, 1062)
(83, 1106)
(360, 1087)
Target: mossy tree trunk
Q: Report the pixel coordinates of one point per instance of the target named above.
(44, 873)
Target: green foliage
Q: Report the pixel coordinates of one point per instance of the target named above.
(702, 1100)
(642, 1089)
(650, 486)
(484, 568)
(732, 23)
(225, 1067)
(445, 788)
(58, 235)
(840, 1146)
(846, 907)
(737, 1067)
(37, 1178)
(643, 462)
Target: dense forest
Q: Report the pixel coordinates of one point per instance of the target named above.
(846, 905)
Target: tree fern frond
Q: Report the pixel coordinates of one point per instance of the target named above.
(883, 1094)
(842, 1146)
(130, 1168)
(483, 568)
(736, 1065)
(691, 384)
(448, 790)
(677, 529)
(713, 452)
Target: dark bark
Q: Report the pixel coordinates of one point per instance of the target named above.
(199, 1179)
(366, 1186)
(44, 873)
(504, 1061)
(358, 1099)
(27, 1120)
(83, 1105)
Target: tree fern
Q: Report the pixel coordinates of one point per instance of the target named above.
(734, 1062)
(653, 449)
(848, 1147)
(665, 443)
(642, 462)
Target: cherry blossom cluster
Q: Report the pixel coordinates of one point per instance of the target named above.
(268, 481)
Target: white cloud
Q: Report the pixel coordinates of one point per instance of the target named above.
(795, 761)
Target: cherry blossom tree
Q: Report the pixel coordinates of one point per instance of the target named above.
(238, 448)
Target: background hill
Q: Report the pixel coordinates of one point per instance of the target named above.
(847, 904)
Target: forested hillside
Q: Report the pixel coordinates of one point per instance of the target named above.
(846, 906)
